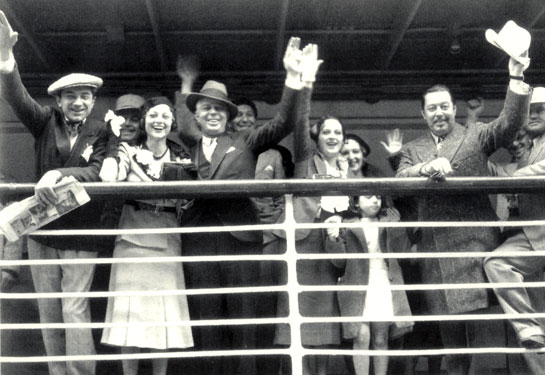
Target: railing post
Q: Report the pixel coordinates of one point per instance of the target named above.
(293, 290)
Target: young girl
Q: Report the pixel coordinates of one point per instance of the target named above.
(379, 301)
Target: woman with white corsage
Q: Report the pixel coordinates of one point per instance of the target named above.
(144, 163)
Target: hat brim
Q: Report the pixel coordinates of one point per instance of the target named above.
(493, 38)
(193, 98)
(57, 90)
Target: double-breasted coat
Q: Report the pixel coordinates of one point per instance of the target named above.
(467, 149)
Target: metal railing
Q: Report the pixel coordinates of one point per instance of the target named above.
(206, 189)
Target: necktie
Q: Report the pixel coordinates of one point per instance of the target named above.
(73, 128)
(440, 140)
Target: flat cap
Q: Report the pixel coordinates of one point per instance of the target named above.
(129, 101)
(74, 80)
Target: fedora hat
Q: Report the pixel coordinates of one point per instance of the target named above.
(538, 95)
(74, 80)
(212, 90)
(512, 39)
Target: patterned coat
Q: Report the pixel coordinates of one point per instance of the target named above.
(467, 149)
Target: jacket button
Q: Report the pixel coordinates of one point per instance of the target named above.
(455, 165)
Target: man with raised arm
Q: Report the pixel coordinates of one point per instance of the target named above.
(67, 143)
(222, 155)
(450, 149)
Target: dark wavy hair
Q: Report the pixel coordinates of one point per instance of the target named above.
(317, 127)
(354, 207)
(152, 102)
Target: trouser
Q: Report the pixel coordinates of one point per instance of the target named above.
(64, 278)
(515, 270)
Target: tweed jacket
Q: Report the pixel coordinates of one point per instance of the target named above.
(467, 149)
(234, 158)
(52, 151)
(356, 272)
(532, 206)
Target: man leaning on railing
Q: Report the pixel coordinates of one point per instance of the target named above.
(450, 149)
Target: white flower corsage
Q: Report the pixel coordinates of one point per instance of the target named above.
(146, 160)
(86, 154)
(115, 122)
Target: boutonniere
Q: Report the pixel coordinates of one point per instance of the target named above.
(86, 154)
(144, 158)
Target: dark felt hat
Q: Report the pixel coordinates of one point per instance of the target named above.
(212, 90)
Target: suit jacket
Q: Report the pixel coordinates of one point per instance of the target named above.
(467, 149)
(234, 158)
(356, 272)
(52, 150)
(532, 206)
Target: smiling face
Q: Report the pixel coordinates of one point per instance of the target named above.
(212, 116)
(536, 122)
(158, 121)
(245, 118)
(439, 112)
(130, 129)
(352, 151)
(76, 103)
(330, 138)
(520, 145)
(369, 205)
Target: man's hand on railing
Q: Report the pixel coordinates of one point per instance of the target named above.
(44, 188)
(438, 168)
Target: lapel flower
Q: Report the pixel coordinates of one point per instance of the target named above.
(86, 154)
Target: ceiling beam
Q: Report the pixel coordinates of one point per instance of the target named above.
(30, 38)
(281, 34)
(534, 16)
(401, 22)
(157, 35)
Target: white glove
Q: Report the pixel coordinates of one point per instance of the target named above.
(309, 63)
(115, 121)
(333, 233)
(109, 170)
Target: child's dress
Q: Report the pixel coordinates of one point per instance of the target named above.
(380, 301)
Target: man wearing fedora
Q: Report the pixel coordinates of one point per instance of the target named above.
(67, 143)
(450, 149)
(513, 269)
(223, 155)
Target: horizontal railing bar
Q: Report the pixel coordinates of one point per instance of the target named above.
(301, 187)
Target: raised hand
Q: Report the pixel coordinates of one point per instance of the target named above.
(475, 107)
(292, 57)
(187, 68)
(309, 63)
(394, 142)
(516, 69)
(8, 38)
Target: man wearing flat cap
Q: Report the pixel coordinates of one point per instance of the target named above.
(67, 143)
(223, 155)
(514, 269)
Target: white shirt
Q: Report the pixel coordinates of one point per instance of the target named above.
(208, 147)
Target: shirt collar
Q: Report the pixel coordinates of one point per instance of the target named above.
(207, 141)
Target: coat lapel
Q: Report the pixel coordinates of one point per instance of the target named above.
(452, 142)
(425, 148)
(62, 140)
(224, 143)
(537, 151)
(85, 139)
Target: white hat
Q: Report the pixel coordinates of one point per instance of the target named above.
(74, 80)
(538, 95)
(512, 39)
